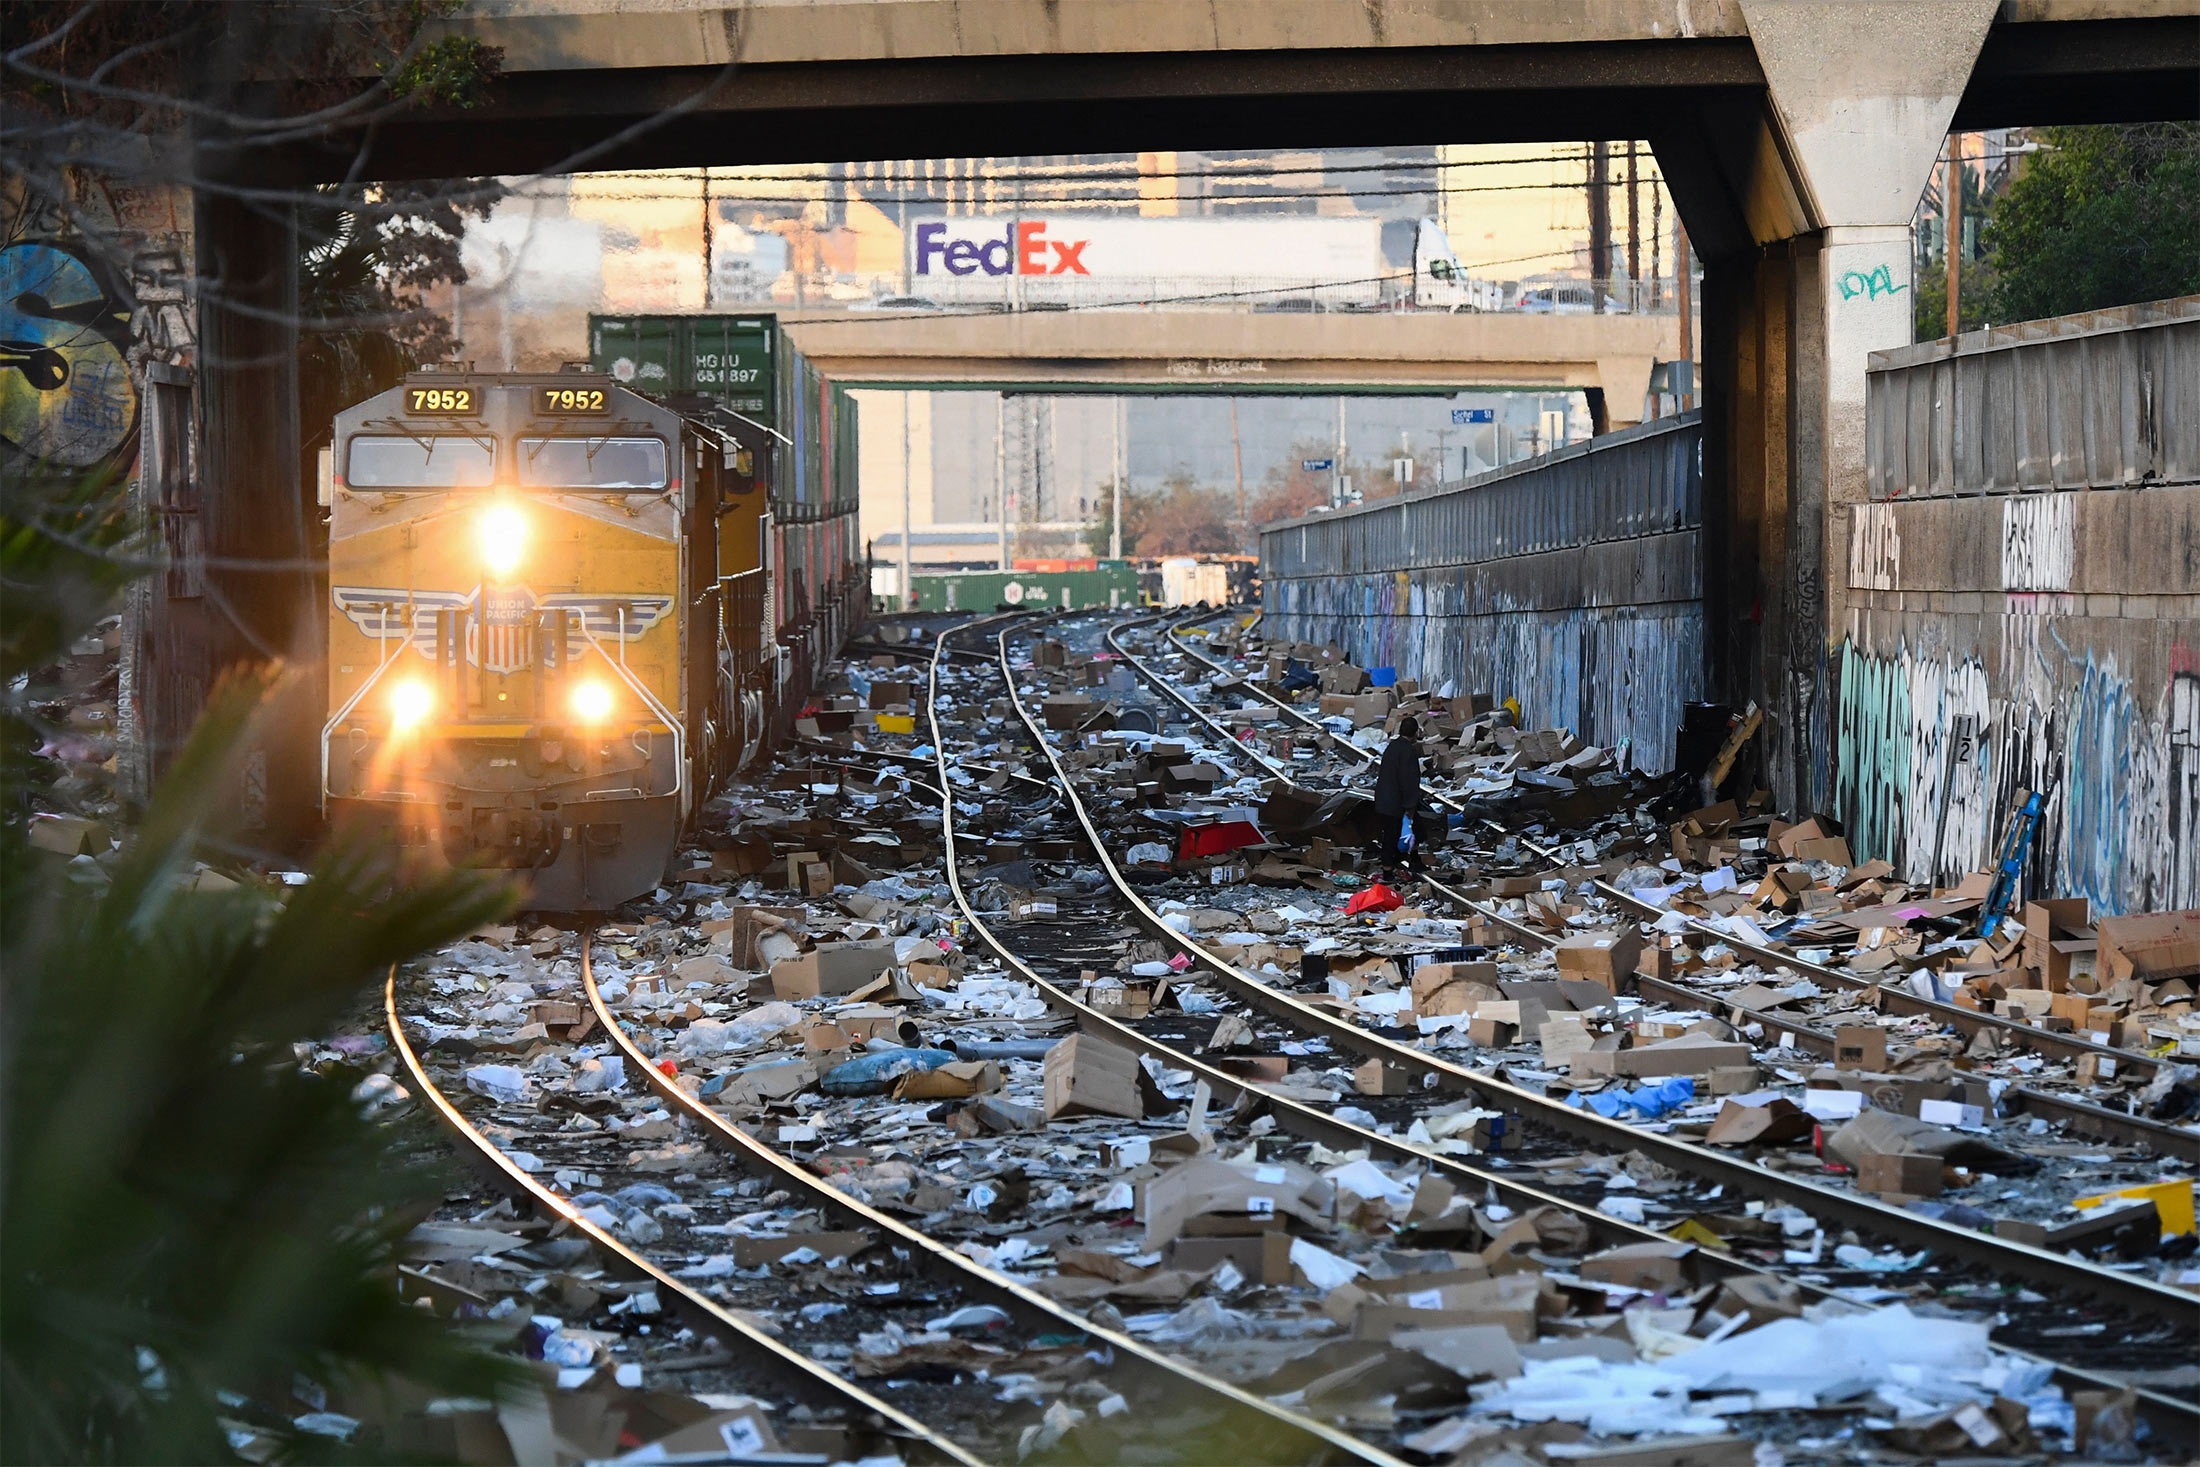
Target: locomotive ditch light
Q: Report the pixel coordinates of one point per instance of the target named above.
(411, 701)
(592, 701)
(502, 534)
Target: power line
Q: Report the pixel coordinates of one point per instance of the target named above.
(1021, 175)
(992, 200)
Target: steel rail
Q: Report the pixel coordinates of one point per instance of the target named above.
(2176, 1418)
(811, 1382)
(2144, 1296)
(1030, 1308)
(2165, 1140)
(1968, 1022)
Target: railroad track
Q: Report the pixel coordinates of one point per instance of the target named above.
(1979, 1264)
(1155, 1408)
(2169, 1141)
(1968, 1022)
(736, 1356)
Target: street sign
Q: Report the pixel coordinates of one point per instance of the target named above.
(1316, 465)
(1474, 415)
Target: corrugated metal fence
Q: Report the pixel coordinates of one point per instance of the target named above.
(1571, 583)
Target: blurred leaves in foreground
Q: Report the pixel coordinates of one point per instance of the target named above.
(188, 1215)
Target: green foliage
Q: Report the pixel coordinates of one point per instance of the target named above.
(454, 71)
(185, 1210)
(2102, 216)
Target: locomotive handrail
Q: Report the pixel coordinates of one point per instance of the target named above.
(641, 690)
(328, 729)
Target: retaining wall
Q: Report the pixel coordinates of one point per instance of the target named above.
(1571, 583)
(2025, 607)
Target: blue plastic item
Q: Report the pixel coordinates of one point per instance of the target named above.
(1382, 677)
(875, 1074)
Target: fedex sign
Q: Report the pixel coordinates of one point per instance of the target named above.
(1023, 248)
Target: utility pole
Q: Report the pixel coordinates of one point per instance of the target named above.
(1237, 455)
(1600, 222)
(1951, 213)
(1634, 233)
(906, 399)
(1657, 245)
(1336, 469)
(708, 251)
(1115, 526)
(1000, 469)
(1684, 296)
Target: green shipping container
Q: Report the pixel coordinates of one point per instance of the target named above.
(726, 357)
(1113, 584)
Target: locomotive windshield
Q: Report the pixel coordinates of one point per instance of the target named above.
(423, 462)
(592, 463)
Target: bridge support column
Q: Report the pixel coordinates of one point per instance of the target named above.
(1802, 213)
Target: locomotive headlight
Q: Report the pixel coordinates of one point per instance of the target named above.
(592, 701)
(411, 701)
(503, 536)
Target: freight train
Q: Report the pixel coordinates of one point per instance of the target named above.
(564, 612)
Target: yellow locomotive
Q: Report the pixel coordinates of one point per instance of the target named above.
(553, 627)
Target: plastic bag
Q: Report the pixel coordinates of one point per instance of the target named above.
(1376, 898)
(1405, 836)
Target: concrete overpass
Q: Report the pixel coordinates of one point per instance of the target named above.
(1795, 135)
(1245, 352)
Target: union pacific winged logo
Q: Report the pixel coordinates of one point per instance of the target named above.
(500, 620)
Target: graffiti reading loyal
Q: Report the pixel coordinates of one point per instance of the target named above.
(1880, 281)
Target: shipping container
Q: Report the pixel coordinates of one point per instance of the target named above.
(729, 358)
(1114, 583)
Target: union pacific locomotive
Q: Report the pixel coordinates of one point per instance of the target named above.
(563, 612)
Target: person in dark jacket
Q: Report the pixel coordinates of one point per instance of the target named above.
(1398, 794)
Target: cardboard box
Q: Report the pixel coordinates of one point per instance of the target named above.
(1231, 1199)
(1492, 1033)
(2044, 921)
(1449, 988)
(817, 879)
(1600, 957)
(1064, 711)
(831, 968)
(1859, 1047)
(1376, 1078)
(1661, 1268)
(1900, 1174)
(1264, 1257)
(1951, 1113)
(1086, 1076)
(2151, 948)
(1507, 1301)
(1691, 1054)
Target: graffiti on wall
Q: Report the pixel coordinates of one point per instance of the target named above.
(1875, 548)
(1930, 762)
(2038, 541)
(1618, 677)
(93, 286)
(66, 395)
